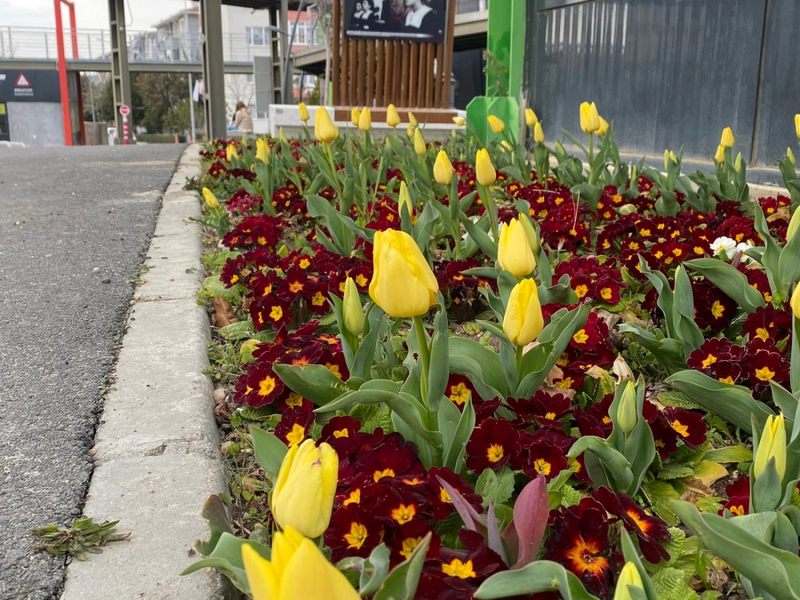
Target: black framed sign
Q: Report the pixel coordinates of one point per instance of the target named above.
(420, 20)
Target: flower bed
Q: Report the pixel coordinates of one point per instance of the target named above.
(452, 371)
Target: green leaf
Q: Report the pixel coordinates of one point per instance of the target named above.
(227, 558)
(269, 451)
(538, 576)
(214, 288)
(673, 584)
(373, 570)
(238, 331)
(774, 571)
(480, 364)
(496, 487)
(729, 454)
(315, 382)
(730, 280)
(731, 402)
(401, 583)
(219, 522)
(456, 428)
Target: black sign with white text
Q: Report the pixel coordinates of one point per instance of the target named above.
(30, 85)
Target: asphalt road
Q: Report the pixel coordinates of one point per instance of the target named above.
(74, 229)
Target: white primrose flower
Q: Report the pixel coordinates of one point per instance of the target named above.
(744, 247)
(723, 247)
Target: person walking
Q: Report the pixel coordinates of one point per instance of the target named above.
(242, 119)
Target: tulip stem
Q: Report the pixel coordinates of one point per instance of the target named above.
(335, 180)
(485, 194)
(519, 362)
(425, 357)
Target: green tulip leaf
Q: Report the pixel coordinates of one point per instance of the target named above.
(269, 451)
(315, 382)
(456, 427)
(733, 403)
(480, 364)
(729, 280)
(227, 558)
(538, 576)
(401, 583)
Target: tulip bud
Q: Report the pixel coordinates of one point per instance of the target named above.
(210, 198)
(282, 135)
(246, 350)
(324, 128)
(737, 165)
(355, 115)
(629, 577)
(392, 116)
(353, 312)
(262, 151)
(719, 157)
(794, 224)
(403, 284)
(419, 143)
(404, 199)
(790, 156)
(771, 445)
(459, 121)
(538, 133)
(412, 120)
(496, 124)
(286, 574)
(365, 119)
(410, 130)
(302, 111)
(530, 231)
(530, 117)
(673, 157)
(666, 159)
(727, 140)
(484, 169)
(590, 119)
(231, 152)
(303, 494)
(514, 253)
(627, 413)
(523, 321)
(443, 169)
(794, 302)
(797, 126)
(603, 129)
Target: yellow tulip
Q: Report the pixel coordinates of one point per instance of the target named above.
(403, 284)
(484, 169)
(538, 133)
(355, 115)
(353, 311)
(629, 577)
(404, 199)
(627, 411)
(210, 198)
(530, 117)
(719, 157)
(419, 143)
(771, 445)
(412, 120)
(324, 129)
(590, 119)
(297, 571)
(496, 124)
(365, 119)
(603, 129)
(514, 253)
(392, 116)
(302, 110)
(523, 321)
(443, 169)
(530, 231)
(794, 302)
(303, 493)
(727, 140)
(231, 152)
(797, 126)
(794, 224)
(262, 150)
(459, 121)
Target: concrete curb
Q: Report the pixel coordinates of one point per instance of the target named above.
(157, 447)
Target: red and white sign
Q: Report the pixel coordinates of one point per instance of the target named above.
(124, 110)
(22, 81)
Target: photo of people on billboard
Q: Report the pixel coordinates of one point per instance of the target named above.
(421, 20)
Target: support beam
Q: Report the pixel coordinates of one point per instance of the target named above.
(285, 50)
(213, 74)
(120, 74)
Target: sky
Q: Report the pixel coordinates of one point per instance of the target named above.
(140, 14)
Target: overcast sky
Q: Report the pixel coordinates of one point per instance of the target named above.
(141, 14)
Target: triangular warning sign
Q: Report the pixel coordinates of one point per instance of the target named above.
(22, 81)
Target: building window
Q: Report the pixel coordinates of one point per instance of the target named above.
(257, 36)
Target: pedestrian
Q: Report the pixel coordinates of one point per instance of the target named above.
(242, 119)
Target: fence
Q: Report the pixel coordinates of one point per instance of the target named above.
(670, 72)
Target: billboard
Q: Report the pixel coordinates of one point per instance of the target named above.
(418, 20)
(31, 85)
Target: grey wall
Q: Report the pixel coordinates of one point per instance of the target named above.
(36, 123)
(669, 72)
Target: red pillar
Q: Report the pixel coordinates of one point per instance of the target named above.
(62, 74)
